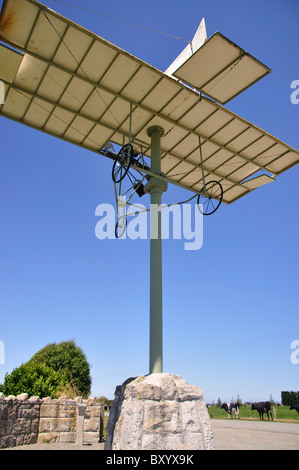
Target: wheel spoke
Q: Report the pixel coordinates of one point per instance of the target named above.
(208, 205)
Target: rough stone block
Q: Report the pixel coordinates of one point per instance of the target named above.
(62, 425)
(48, 410)
(3, 411)
(21, 426)
(158, 412)
(11, 399)
(22, 396)
(47, 437)
(5, 427)
(67, 437)
(91, 424)
(34, 426)
(67, 412)
(12, 410)
(94, 411)
(91, 437)
(7, 441)
(47, 400)
(35, 400)
(20, 440)
(30, 438)
(44, 425)
(29, 413)
(62, 399)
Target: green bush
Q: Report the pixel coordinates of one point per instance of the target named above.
(70, 359)
(51, 371)
(34, 379)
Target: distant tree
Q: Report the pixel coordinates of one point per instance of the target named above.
(218, 402)
(104, 400)
(239, 400)
(68, 358)
(34, 379)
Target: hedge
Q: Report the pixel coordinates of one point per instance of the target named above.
(289, 397)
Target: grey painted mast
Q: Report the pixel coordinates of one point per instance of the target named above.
(155, 187)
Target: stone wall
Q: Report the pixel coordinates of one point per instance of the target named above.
(19, 420)
(58, 420)
(26, 420)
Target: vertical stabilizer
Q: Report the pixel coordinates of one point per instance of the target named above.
(199, 39)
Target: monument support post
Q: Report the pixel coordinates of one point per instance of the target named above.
(155, 187)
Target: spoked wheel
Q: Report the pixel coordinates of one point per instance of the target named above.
(121, 226)
(210, 197)
(122, 163)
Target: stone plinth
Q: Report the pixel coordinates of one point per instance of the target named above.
(158, 412)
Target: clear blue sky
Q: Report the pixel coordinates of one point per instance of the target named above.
(230, 308)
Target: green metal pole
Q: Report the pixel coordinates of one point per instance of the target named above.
(155, 188)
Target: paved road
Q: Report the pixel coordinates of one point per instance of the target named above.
(254, 435)
(228, 435)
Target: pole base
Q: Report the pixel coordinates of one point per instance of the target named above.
(159, 412)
